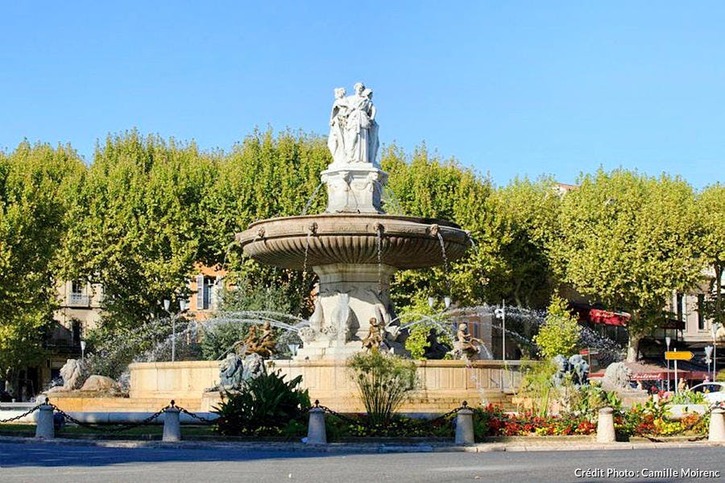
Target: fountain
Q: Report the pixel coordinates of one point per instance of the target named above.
(354, 247)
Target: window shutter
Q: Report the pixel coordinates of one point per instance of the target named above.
(200, 292)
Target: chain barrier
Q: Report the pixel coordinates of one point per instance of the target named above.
(26, 413)
(197, 417)
(442, 417)
(349, 420)
(114, 427)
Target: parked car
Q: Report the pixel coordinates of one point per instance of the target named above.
(714, 392)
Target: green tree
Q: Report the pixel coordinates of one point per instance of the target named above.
(628, 240)
(560, 332)
(423, 185)
(528, 216)
(265, 177)
(138, 220)
(36, 183)
(711, 213)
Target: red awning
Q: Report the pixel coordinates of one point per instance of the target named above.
(606, 317)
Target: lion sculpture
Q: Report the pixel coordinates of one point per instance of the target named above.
(231, 372)
(617, 376)
(74, 374)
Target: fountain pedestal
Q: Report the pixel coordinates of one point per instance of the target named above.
(350, 295)
(354, 188)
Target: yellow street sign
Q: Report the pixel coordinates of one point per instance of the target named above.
(678, 356)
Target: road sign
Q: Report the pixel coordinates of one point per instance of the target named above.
(678, 355)
(589, 352)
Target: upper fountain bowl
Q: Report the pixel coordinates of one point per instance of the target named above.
(403, 242)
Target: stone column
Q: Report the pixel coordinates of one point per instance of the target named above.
(464, 426)
(45, 428)
(172, 426)
(316, 431)
(717, 425)
(605, 426)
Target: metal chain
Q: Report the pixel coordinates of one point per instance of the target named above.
(118, 426)
(196, 416)
(335, 413)
(30, 411)
(347, 419)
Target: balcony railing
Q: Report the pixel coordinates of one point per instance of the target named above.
(79, 300)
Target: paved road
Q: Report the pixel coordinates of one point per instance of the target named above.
(59, 463)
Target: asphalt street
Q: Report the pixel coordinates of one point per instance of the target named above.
(58, 463)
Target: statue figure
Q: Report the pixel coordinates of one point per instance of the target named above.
(340, 318)
(74, 374)
(616, 377)
(230, 372)
(234, 373)
(338, 115)
(579, 369)
(253, 367)
(261, 342)
(434, 349)
(562, 369)
(353, 134)
(374, 338)
(468, 346)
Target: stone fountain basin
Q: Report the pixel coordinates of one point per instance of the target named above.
(406, 242)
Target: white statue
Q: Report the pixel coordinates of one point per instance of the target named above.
(336, 141)
(353, 130)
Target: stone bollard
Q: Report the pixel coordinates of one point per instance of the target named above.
(316, 431)
(605, 426)
(44, 428)
(717, 425)
(172, 426)
(464, 425)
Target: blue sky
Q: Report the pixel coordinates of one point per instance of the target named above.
(510, 88)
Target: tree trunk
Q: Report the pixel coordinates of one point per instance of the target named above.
(633, 347)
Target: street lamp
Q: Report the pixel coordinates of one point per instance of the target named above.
(500, 313)
(446, 302)
(174, 317)
(668, 339)
(708, 359)
(713, 331)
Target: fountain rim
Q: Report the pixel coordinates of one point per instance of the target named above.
(307, 232)
(406, 218)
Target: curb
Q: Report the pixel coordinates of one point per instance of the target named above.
(371, 448)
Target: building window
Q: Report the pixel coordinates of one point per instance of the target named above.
(78, 296)
(76, 287)
(679, 307)
(204, 287)
(77, 330)
(700, 312)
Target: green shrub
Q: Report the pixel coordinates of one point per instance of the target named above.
(383, 382)
(560, 333)
(688, 397)
(219, 340)
(267, 405)
(417, 340)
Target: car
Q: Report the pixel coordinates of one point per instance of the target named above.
(714, 392)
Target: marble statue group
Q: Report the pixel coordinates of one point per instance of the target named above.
(353, 130)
